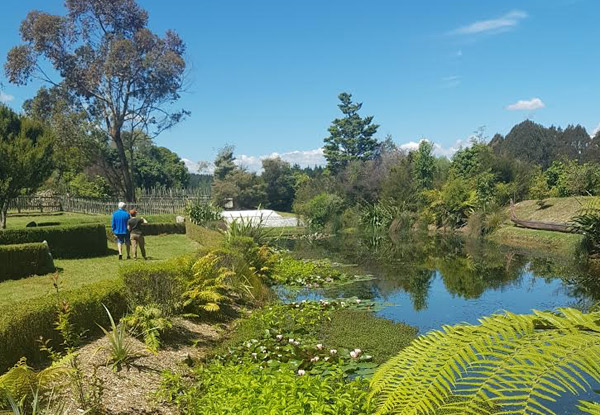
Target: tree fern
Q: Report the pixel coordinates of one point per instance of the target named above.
(509, 364)
(22, 382)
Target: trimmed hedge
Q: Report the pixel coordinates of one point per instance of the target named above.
(160, 283)
(153, 229)
(75, 241)
(22, 324)
(18, 261)
(204, 236)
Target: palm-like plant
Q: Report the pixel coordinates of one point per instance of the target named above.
(120, 348)
(587, 222)
(509, 364)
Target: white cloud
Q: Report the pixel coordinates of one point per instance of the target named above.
(304, 158)
(438, 149)
(4, 98)
(497, 25)
(529, 105)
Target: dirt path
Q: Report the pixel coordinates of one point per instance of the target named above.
(130, 391)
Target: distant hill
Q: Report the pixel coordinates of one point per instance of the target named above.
(534, 143)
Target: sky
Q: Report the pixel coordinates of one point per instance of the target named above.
(264, 75)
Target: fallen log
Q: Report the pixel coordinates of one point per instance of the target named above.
(539, 225)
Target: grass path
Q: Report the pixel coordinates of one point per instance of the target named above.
(75, 273)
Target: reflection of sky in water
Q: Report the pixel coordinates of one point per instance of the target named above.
(462, 287)
(445, 308)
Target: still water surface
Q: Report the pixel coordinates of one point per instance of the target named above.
(446, 280)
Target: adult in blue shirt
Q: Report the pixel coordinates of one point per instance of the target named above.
(119, 228)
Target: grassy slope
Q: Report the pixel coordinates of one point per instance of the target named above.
(557, 210)
(76, 273)
(19, 221)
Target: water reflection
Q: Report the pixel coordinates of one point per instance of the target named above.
(431, 281)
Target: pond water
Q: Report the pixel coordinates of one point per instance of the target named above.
(446, 280)
(429, 282)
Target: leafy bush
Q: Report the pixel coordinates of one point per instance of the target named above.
(382, 338)
(148, 322)
(587, 222)
(322, 210)
(202, 214)
(64, 241)
(474, 369)
(211, 283)
(159, 284)
(25, 259)
(22, 324)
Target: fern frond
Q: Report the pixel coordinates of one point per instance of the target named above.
(517, 363)
(591, 408)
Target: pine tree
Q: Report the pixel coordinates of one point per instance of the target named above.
(351, 137)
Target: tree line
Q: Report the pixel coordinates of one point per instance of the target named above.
(362, 171)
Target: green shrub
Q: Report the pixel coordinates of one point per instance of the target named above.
(160, 283)
(322, 210)
(148, 322)
(202, 214)
(22, 324)
(204, 236)
(382, 338)
(22, 260)
(77, 241)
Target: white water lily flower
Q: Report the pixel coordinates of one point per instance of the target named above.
(319, 346)
(326, 358)
(358, 300)
(357, 351)
(315, 359)
(279, 337)
(353, 354)
(296, 343)
(333, 351)
(301, 372)
(254, 355)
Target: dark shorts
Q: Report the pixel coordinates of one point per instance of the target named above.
(122, 238)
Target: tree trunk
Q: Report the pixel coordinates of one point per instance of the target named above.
(3, 214)
(127, 178)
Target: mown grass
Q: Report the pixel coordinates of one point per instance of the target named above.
(558, 209)
(77, 273)
(380, 337)
(537, 240)
(17, 221)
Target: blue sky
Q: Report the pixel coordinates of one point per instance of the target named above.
(264, 74)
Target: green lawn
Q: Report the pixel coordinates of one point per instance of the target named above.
(15, 221)
(536, 240)
(75, 273)
(559, 209)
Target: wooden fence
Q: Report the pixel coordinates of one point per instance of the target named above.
(145, 205)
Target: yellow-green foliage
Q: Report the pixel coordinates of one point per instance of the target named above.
(212, 280)
(22, 382)
(149, 322)
(515, 364)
